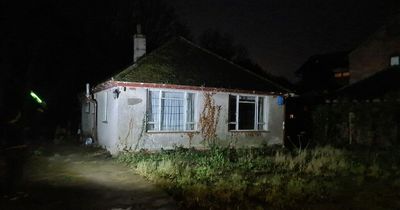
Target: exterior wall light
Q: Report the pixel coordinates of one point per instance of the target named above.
(116, 93)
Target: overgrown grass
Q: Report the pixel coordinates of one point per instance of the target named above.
(259, 178)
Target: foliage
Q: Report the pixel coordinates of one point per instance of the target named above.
(253, 178)
(224, 45)
(209, 119)
(372, 123)
(221, 44)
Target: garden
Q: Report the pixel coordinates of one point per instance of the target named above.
(322, 177)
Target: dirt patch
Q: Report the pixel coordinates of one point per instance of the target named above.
(70, 177)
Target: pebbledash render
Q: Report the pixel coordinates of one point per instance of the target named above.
(183, 95)
(133, 116)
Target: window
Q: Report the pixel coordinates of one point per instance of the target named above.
(394, 60)
(105, 105)
(342, 74)
(170, 111)
(246, 113)
(338, 74)
(346, 74)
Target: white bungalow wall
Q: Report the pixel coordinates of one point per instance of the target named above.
(126, 123)
(107, 119)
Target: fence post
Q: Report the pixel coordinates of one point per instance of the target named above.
(351, 117)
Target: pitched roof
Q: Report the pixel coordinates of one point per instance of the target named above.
(181, 62)
(375, 86)
(390, 29)
(325, 62)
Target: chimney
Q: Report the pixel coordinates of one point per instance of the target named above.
(139, 44)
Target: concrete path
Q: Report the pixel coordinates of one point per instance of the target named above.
(80, 178)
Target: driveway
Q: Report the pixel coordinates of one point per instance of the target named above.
(71, 177)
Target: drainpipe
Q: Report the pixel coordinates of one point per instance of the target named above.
(283, 125)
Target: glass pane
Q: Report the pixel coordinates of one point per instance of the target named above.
(190, 108)
(232, 126)
(394, 60)
(246, 116)
(172, 111)
(232, 111)
(247, 99)
(152, 113)
(151, 127)
(173, 95)
(189, 127)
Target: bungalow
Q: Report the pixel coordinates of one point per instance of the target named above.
(183, 95)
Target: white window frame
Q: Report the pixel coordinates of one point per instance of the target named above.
(394, 60)
(256, 117)
(185, 123)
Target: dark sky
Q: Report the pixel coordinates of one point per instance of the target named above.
(281, 35)
(55, 47)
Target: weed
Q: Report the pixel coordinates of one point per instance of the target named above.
(222, 177)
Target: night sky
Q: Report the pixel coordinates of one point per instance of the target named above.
(281, 35)
(55, 47)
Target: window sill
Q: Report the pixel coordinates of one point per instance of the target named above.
(164, 132)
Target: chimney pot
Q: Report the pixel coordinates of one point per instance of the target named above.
(87, 90)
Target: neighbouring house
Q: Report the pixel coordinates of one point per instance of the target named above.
(320, 75)
(183, 95)
(323, 73)
(377, 53)
(379, 87)
(367, 110)
(373, 65)
(331, 71)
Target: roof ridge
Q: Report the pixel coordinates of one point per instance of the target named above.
(390, 20)
(232, 63)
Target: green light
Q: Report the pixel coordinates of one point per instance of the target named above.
(36, 97)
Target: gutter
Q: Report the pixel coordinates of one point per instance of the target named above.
(112, 83)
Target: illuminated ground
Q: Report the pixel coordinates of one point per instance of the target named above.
(77, 178)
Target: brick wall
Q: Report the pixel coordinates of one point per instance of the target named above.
(374, 54)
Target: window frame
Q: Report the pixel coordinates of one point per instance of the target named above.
(257, 121)
(159, 108)
(394, 57)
